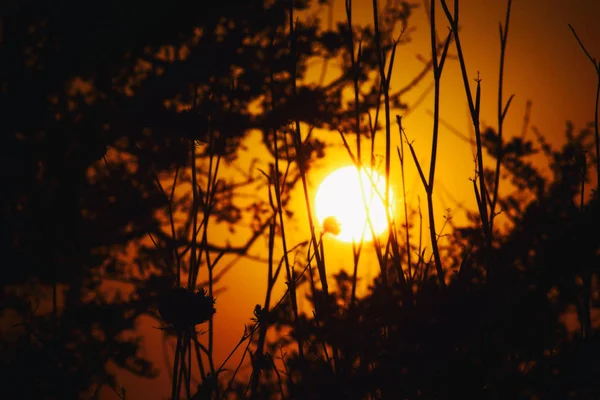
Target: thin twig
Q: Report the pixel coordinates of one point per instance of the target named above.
(596, 109)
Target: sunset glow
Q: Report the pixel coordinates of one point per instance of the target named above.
(340, 196)
(300, 199)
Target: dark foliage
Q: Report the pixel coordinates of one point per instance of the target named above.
(98, 100)
(492, 336)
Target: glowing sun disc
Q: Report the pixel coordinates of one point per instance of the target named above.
(340, 196)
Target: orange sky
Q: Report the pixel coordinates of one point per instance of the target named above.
(544, 64)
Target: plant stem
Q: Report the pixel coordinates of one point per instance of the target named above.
(597, 104)
(501, 115)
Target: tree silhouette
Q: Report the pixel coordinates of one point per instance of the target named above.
(99, 101)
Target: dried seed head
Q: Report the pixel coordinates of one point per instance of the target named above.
(183, 308)
(331, 225)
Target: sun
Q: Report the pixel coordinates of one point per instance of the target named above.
(342, 198)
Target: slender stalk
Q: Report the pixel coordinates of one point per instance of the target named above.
(596, 130)
(438, 66)
(366, 202)
(355, 63)
(174, 394)
(210, 265)
(474, 111)
(194, 205)
(501, 115)
(301, 159)
(199, 360)
(428, 183)
(278, 183)
(400, 150)
(586, 318)
(262, 318)
(386, 104)
(597, 104)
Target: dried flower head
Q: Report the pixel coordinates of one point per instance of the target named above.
(182, 308)
(331, 225)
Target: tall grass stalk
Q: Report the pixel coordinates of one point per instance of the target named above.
(428, 183)
(596, 65)
(301, 159)
(502, 110)
(355, 65)
(481, 192)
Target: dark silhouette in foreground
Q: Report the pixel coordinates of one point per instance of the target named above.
(501, 335)
(99, 105)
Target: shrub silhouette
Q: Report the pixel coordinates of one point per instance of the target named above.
(100, 105)
(495, 337)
